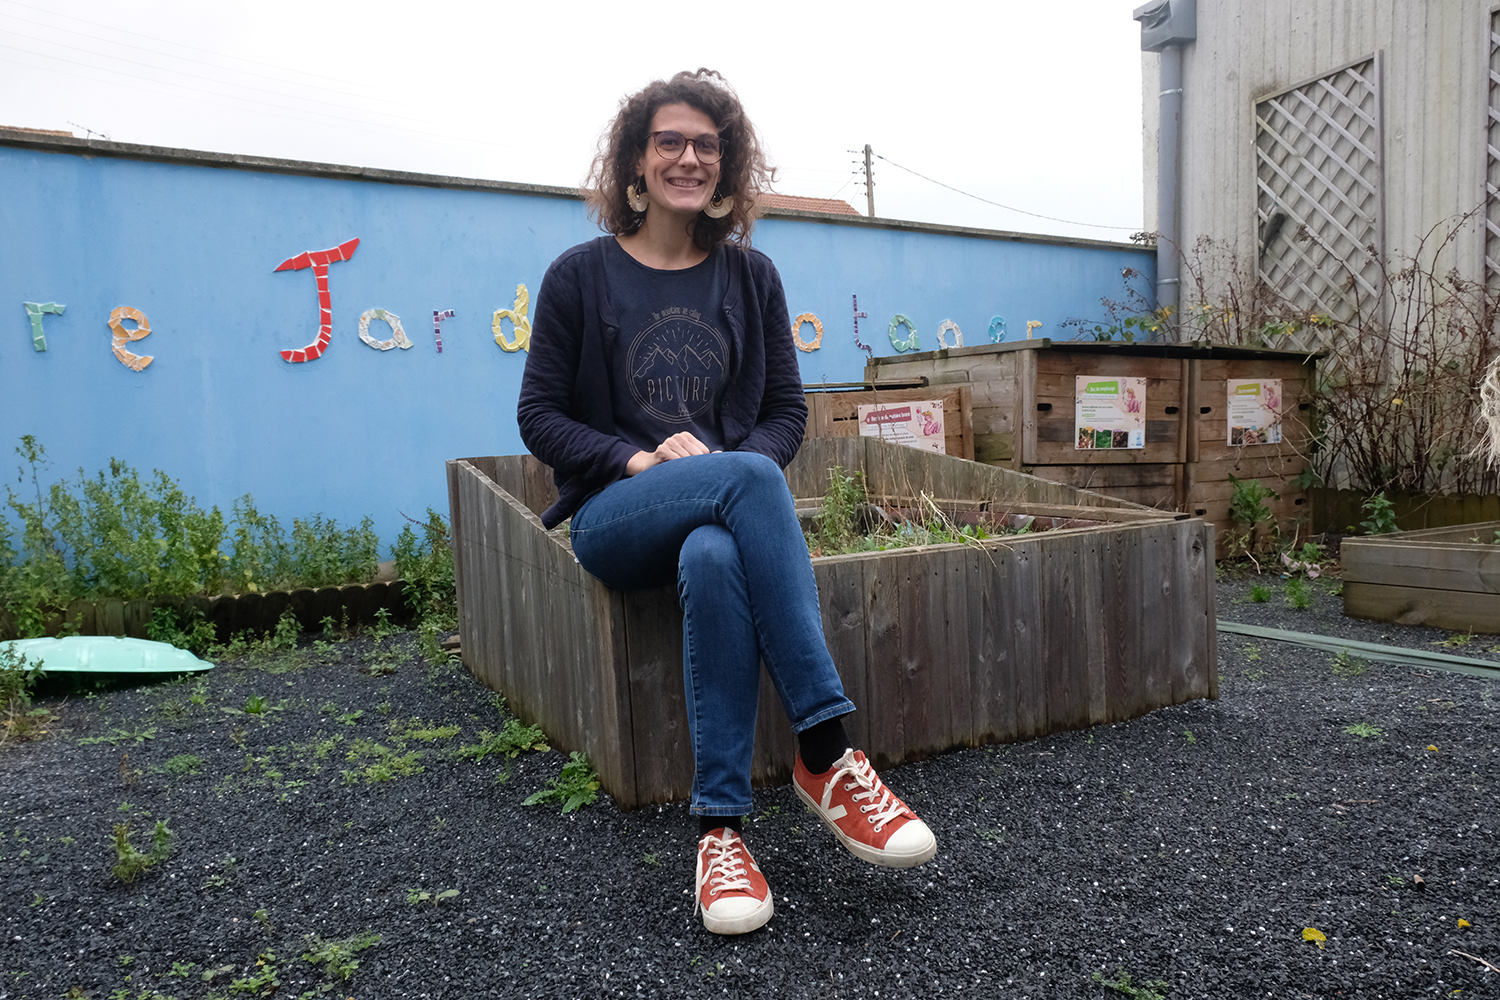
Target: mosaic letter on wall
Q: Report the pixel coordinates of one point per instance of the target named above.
(35, 310)
(517, 316)
(438, 315)
(817, 340)
(318, 260)
(958, 335)
(122, 336)
(398, 335)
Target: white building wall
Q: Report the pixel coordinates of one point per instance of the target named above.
(1435, 88)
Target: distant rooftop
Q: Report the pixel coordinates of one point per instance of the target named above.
(830, 206)
(38, 131)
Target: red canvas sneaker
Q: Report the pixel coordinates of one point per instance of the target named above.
(867, 818)
(731, 890)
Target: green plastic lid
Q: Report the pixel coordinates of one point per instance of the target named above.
(106, 654)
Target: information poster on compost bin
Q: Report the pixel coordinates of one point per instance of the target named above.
(1254, 411)
(1110, 412)
(916, 424)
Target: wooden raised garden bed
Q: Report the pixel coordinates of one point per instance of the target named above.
(940, 646)
(1023, 418)
(1442, 577)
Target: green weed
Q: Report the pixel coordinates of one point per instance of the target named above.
(1363, 730)
(267, 980)
(1455, 641)
(18, 678)
(181, 764)
(119, 736)
(1346, 664)
(183, 627)
(337, 956)
(577, 785)
(1152, 990)
(130, 863)
(1298, 594)
(511, 741)
(1260, 593)
(416, 897)
(1381, 519)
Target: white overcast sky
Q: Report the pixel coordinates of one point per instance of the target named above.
(1036, 105)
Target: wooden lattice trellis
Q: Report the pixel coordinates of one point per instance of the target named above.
(1320, 200)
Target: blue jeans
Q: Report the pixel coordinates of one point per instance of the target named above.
(724, 527)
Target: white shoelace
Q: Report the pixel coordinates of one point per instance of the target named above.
(885, 806)
(725, 869)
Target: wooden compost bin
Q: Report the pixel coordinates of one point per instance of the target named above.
(1443, 577)
(833, 411)
(1023, 398)
(942, 646)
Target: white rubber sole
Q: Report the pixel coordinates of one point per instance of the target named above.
(875, 856)
(742, 923)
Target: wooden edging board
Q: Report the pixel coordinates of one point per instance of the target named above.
(1441, 577)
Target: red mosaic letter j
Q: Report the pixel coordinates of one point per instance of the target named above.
(318, 260)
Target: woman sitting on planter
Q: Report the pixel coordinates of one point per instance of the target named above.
(662, 387)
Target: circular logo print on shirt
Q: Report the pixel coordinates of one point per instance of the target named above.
(677, 365)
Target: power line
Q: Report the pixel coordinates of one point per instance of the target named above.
(1008, 208)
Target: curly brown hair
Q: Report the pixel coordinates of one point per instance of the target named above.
(743, 172)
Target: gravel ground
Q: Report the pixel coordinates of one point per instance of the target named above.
(1189, 848)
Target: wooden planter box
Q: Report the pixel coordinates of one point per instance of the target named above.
(835, 412)
(940, 647)
(1023, 418)
(1442, 577)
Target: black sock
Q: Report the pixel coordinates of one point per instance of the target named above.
(823, 744)
(707, 824)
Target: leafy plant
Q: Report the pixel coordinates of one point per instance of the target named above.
(18, 678)
(1152, 990)
(1363, 730)
(337, 955)
(1260, 593)
(181, 764)
(130, 863)
(183, 627)
(1382, 516)
(267, 980)
(425, 566)
(511, 741)
(1346, 664)
(1298, 594)
(841, 504)
(416, 897)
(577, 785)
(1248, 508)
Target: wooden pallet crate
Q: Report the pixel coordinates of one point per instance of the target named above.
(1441, 577)
(834, 412)
(942, 646)
(1023, 418)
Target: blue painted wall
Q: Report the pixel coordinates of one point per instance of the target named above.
(362, 431)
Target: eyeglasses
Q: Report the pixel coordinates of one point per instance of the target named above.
(670, 145)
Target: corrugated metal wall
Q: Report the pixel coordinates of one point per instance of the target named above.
(1435, 95)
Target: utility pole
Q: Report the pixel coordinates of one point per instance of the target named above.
(869, 181)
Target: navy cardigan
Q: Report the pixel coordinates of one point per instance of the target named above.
(566, 412)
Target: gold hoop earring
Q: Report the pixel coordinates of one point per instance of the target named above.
(639, 200)
(719, 207)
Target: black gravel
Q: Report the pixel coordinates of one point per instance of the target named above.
(1190, 847)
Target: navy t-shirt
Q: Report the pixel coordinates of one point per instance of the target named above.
(672, 352)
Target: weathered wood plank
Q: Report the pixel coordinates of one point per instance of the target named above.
(658, 704)
(885, 647)
(960, 568)
(1473, 568)
(993, 645)
(1027, 627)
(841, 590)
(1447, 609)
(1065, 623)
